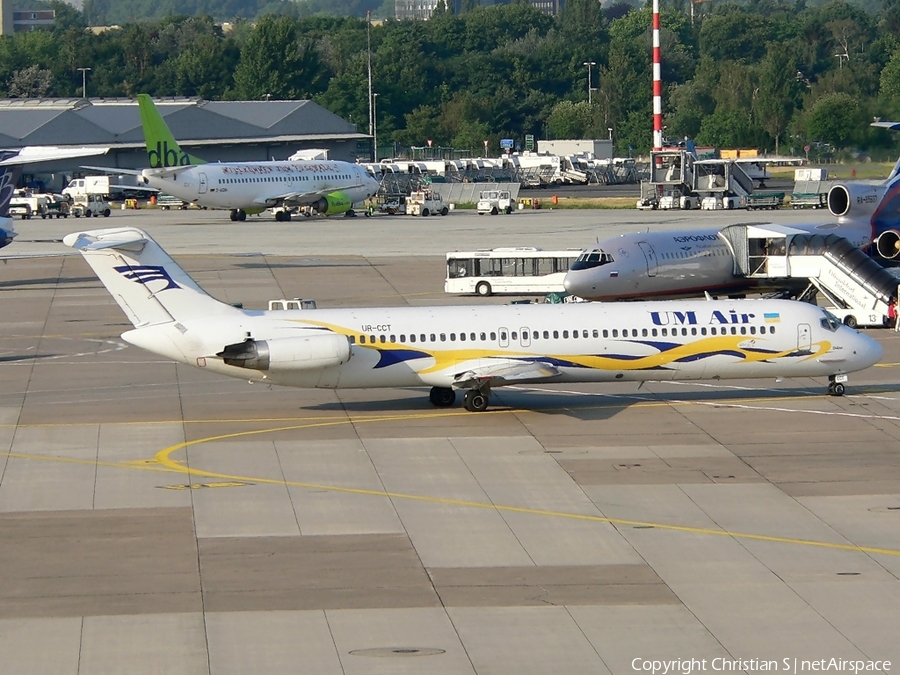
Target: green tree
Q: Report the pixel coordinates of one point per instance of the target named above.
(834, 119)
(31, 82)
(276, 63)
(779, 92)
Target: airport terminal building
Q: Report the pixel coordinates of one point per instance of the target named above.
(213, 130)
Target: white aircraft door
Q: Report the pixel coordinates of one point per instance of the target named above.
(804, 338)
(504, 337)
(525, 337)
(650, 256)
(201, 183)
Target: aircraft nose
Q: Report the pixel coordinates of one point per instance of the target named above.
(868, 352)
(571, 284)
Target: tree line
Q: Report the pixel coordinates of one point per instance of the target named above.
(769, 74)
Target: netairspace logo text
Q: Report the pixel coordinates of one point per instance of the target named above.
(786, 665)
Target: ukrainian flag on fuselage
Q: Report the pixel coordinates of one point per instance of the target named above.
(772, 317)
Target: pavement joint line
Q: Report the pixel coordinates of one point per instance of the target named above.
(164, 459)
(631, 401)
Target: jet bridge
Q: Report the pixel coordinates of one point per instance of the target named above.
(857, 288)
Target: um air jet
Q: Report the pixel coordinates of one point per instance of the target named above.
(329, 187)
(690, 261)
(468, 349)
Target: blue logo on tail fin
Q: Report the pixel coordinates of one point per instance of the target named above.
(9, 175)
(144, 274)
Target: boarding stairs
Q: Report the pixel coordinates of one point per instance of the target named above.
(721, 184)
(857, 288)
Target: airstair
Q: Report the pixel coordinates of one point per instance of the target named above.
(721, 184)
(857, 288)
(671, 184)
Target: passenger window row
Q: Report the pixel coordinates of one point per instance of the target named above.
(414, 338)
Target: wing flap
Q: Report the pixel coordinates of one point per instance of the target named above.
(506, 372)
(300, 198)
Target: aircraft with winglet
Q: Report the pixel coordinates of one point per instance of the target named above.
(468, 349)
(325, 186)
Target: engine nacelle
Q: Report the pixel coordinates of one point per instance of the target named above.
(293, 353)
(888, 244)
(336, 202)
(854, 200)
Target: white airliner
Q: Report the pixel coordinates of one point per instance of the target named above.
(684, 262)
(473, 349)
(329, 187)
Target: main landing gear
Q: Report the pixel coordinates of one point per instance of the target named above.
(238, 214)
(836, 385)
(474, 400)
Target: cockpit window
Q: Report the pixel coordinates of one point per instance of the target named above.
(830, 322)
(593, 258)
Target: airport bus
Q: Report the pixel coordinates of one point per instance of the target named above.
(518, 270)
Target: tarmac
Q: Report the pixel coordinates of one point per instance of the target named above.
(159, 519)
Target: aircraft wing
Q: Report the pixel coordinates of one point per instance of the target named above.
(300, 198)
(506, 371)
(46, 153)
(153, 173)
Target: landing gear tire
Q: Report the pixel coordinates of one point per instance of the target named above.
(483, 289)
(241, 215)
(442, 397)
(835, 388)
(850, 321)
(233, 215)
(350, 214)
(475, 401)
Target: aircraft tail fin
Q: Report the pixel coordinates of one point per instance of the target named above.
(162, 148)
(9, 176)
(145, 282)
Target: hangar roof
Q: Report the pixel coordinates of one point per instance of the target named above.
(117, 122)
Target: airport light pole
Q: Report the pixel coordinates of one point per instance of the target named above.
(589, 64)
(84, 72)
(374, 128)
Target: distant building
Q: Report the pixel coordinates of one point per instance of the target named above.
(15, 20)
(423, 9)
(214, 130)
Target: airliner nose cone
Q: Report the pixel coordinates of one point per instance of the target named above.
(870, 351)
(575, 284)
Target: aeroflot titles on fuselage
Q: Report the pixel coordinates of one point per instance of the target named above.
(696, 237)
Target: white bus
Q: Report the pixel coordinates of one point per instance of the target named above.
(508, 270)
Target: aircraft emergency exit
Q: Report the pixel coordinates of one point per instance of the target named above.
(472, 349)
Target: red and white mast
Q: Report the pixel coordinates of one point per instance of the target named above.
(657, 81)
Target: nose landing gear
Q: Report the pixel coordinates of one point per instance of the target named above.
(238, 214)
(836, 385)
